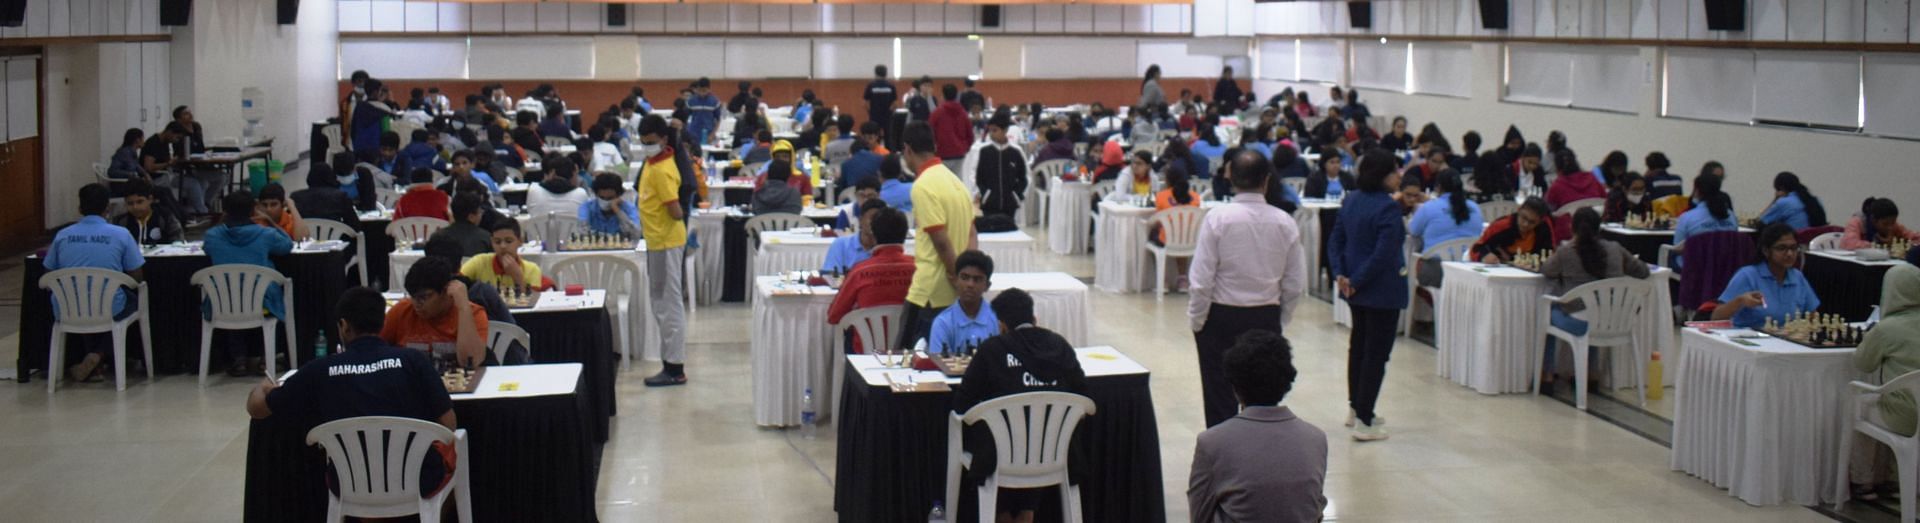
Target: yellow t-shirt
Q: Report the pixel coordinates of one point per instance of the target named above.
(941, 205)
(482, 270)
(660, 188)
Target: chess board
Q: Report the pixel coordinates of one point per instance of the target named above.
(954, 366)
(1808, 341)
(462, 381)
(519, 300)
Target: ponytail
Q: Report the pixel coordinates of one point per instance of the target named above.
(1586, 242)
(1707, 189)
(1788, 182)
(1456, 197)
(1176, 177)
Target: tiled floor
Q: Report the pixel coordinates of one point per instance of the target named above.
(171, 451)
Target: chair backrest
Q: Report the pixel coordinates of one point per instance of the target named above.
(501, 335)
(551, 225)
(777, 221)
(1153, 147)
(324, 230)
(1711, 260)
(1101, 188)
(1451, 250)
(1613, 305)
(1181, 225)
(1297, 183)
(377, 461)
(752, 169)
(100, 173)
(619, 276)
(386, 197)
(1031, 433)
(1052, 169)
(407, 231)
(1826, 242)
(85, 295)
(238, 292)
(556, 141)
(1498, 209)
(876, 326)
(1570, 207)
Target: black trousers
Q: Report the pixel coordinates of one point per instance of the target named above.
(1370, 343)
(1225, 324)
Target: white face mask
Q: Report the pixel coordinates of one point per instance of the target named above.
(348, 180)
(607, 205)
(1635, 197)
(648, 150)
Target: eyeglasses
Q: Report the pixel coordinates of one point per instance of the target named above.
(1784, 249)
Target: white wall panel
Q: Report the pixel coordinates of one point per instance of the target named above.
(1018, 18)
(1806, 20)
(1710, 84)
(1109, 19)
(422, 16)
(680, 18)
(1278, 59)
(518, 18)
(1769, 19)
(616, 57)
(939, 57)
(1136, 18)
(60, 20)
(389, 15)
(405, 58)
(1539, 74)
(1611, 78)
(777, 18)
(1846, 21)
(541, 58)
(682, 58)
(929, 18)
(1380, 65)
(1067, 58)
(1673, 19)
(1323, 61)
(743, 18)
(1175, 59)
(1443, 68)
(1520, 17)
(850, 58)
(768, 58)
(1886, 21)
(1171, 18)
(806, 18)
(1001, 58)
(452, 16)
(899, 18)
(355, 16)
(1619, 19)
(1889, 90)
(710, 18)
(551, 17)
(586, 18)
(1807, 87)
(1049, 18)
(1646, 22)
(869, 18)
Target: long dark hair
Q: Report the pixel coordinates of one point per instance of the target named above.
(1706, 188)
(1586, 242)
(1374, 169)
(1874, 209)
(1204, 131)
(1816, 213)
(1456, 197)
(1153, 73)
(1176, 177)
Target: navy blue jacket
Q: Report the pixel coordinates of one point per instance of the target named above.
(1365, 248)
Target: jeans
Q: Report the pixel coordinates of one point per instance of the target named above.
(1566, 322)
(1225, 324)
(1370, 344)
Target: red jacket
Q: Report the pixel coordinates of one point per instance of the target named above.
(952, 130)
(422, 200)
(881, 280)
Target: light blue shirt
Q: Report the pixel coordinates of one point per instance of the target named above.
(844, 253)
(487, 180)
(1334, 189)
(952, 329)
(898, 195)
(611, 222)
(1699, 220)
(1786, 298)
(1789, 210)
(94, 243)
(1433, 223)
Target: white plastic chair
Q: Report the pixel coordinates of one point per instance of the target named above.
(1570, 207)
(1826, 242)
(1297, 183)
(377, 460)
(1044, 176)
(620, 277)
(331, 230)
(1450, 250)
(1032, 434)
(237, 294)
(85, 304)
(334, 144)
(552, 226)
(1613, 307)
(1181, 227)
(1498, 209)
(1666, 255)
(408, 231)
(501, 335)
(877, 327)
(117, 204)
(1865, 401)
(387, 198)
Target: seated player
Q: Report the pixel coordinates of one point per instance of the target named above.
(1527, 230)
(437, 316)
(94, 243)
(969, 322)
(463, 237)
(421, 198)
(273, 209)
(608, 213)
(369, 378)
(1772, 289)
(849, 250)
(1877, 223)
(1891, 349)
(884, 278)
(777, 196)
(504, 268)
(1265, 464)
(325, 198)
(849, 213)
(1022, 358)
(240, 239)
(797, 178)
(146, 226)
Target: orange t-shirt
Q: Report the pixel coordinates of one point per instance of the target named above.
(1164, 201)
(285, 225)
(406, 329)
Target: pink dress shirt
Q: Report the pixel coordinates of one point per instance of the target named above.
(1248, 255)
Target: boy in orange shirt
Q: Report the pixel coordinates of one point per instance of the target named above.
(274, 210)
(437, 317)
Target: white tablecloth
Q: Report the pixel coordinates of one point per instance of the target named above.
(710, 258)
(782, 251)
(1762, 421)
(1309, 224)
(1489, 334)
(1120, 262)
(791, 339)
(1069, 205)
(639, 309)
(544, 379)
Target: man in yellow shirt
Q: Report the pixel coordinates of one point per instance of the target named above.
(663, 222)
(504, 268)
(943, 211)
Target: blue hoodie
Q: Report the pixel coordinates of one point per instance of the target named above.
(419, 154)
(249, 244)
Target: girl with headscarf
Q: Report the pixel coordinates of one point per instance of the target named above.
(1891, 350)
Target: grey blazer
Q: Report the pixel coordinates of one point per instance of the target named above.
(1263, 465)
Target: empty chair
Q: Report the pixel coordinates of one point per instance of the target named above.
(1863, 404)
(117, 204)
(551, 226)
(319, 229)
(1100, 190)
(408, 231)
(1045, 175)
(1450, 250)
(1498, 209)
(387, 197)
(1826, 242)
(1180, 227)
(1298, 184)
(376, 460)
(502, 335)
(84, 304)
(620, 277)
(1567, 210)
(875, 327)
(1613, 307)
(1032, 434)
(237, 295)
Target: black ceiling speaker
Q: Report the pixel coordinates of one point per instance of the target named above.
(1727, 15)
(176, 12)
(990, 16)
(616, 15)
(1360, 15)
(13, 13)
(288, 12)
(1493, 14)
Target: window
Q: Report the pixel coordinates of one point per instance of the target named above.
(1380, 65)
(1890, 108)
(1607, 78)
(1442, 68)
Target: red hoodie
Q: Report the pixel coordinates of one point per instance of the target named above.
(952, 130)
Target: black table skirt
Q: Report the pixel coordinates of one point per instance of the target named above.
(1647, 247)
(318, 279)
(1329, 218)
(1845, 288)
(582, 336)
(378, 246)
(530, 459)
(892, 454)
(733, 283)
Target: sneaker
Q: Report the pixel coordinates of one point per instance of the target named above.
(1365, 432)
(1377, 419)
(664, 379)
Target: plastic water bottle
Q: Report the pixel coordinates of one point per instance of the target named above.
(806, 413)
(320, 348)
(1656, 375)
(939, 512)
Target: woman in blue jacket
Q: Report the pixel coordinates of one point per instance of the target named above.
(1364, 253)
(1793, 205)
